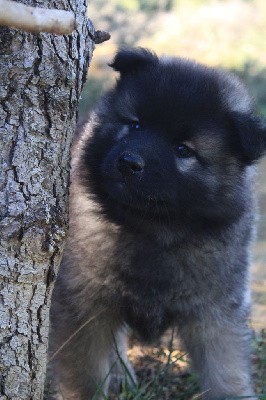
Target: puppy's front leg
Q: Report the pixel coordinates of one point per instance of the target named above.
(122, 371)
(220, 356)
(83, 358)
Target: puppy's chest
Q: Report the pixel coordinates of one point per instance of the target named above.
(155, 286)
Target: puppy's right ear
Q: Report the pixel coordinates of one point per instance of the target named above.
(252, 134)
(132, 59)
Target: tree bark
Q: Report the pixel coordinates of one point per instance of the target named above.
(40, 85)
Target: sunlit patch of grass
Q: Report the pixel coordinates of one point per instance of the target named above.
(162, 373)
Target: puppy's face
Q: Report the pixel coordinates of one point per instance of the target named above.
(172, 142)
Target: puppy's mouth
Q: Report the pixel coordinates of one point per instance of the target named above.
(133, 196)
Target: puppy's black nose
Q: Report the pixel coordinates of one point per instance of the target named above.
(130, 163)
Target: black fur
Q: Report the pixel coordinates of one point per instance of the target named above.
(161, 223)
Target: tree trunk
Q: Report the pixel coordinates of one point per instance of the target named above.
(41, 80)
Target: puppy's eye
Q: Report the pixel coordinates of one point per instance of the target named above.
(135, 126)
(183, 151)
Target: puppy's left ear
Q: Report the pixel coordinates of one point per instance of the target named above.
(133, 59)
(252, 134)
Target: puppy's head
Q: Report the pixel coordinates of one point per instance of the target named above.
(172, 142)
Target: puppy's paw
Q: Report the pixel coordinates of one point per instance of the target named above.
(123, 376)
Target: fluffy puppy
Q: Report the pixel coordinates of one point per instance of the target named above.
(161, 222)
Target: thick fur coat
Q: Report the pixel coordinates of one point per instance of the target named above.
(161, 223)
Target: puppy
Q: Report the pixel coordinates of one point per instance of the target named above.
(162, 217)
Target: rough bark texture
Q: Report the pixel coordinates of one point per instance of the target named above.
(40, 84)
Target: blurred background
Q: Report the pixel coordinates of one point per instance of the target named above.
(224, 33)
